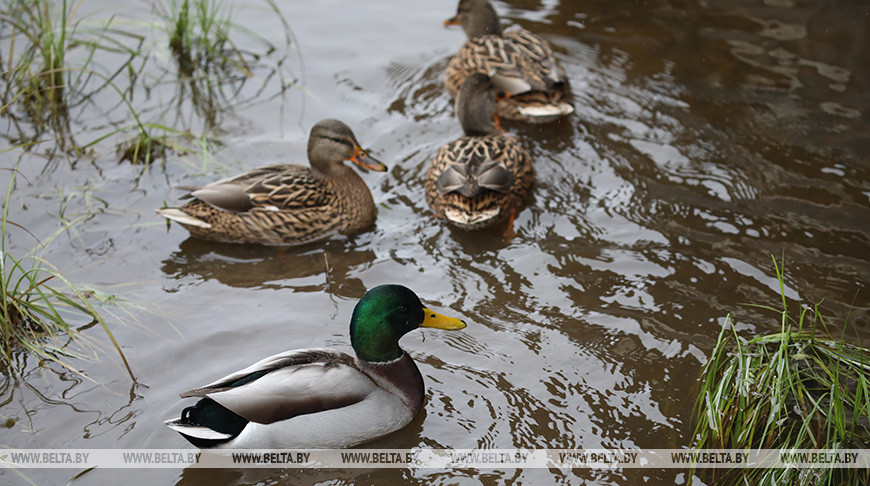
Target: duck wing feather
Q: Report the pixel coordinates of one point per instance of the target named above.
(471, 164)
(517, 62)
(290, 384)
(273, 187)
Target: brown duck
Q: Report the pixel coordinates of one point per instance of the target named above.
(287, 204)
(520, 63)
(482, 178)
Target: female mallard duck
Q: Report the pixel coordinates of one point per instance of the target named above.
(520, 63)
(287, 204)
(484, 177)
(321, 398)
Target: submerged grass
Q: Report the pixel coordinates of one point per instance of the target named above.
(34, 72)
(55, 70)
(49, 68)
(41, 311)
(200, 41)
(216, 57)
(795, 389)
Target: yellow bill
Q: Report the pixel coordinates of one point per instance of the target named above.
(436, 320)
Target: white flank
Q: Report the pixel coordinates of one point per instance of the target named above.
(197, 431)
(177, 215)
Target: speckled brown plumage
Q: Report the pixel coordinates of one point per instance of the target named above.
(484, 177)
(287, 204)
(520, 63)
(482, 207)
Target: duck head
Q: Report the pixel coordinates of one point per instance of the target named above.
(385, 314)
(331, 142)
(477, 18)
(475, 105)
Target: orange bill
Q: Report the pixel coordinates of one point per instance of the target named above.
(363, 159)
(497, 121)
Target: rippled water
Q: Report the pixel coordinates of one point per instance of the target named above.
(707, 137)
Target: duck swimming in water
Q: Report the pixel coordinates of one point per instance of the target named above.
(321, 398)
(520, 63)
(287, 204)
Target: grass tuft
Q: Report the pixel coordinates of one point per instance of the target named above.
(59, 72)
(35, 78)
(216, 59)
(200, 40)
(795, 389)
(51, 75)
(143, 148)
(41, 311)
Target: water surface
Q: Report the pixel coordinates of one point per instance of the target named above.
(707, 137)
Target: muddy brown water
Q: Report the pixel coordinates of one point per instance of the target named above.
(707, 137)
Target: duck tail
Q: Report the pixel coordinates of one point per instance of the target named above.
(180, 216)
(545, 112)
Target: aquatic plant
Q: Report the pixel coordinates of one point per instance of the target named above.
(200, 41)
(35, 78)
(212, 68)
(59, 69)
(794, 389)
(44, 82)
(143, 148)
(41, 311)
(211, 74)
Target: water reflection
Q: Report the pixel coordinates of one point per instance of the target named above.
(416, 90)
(49, 398)
(708, 136)
(248, 266)
(193, 476)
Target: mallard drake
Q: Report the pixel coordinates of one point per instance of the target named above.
(287, 204)
(520, 63)
(483, 177)
(321, 398)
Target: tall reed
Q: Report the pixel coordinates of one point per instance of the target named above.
(795, 389)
